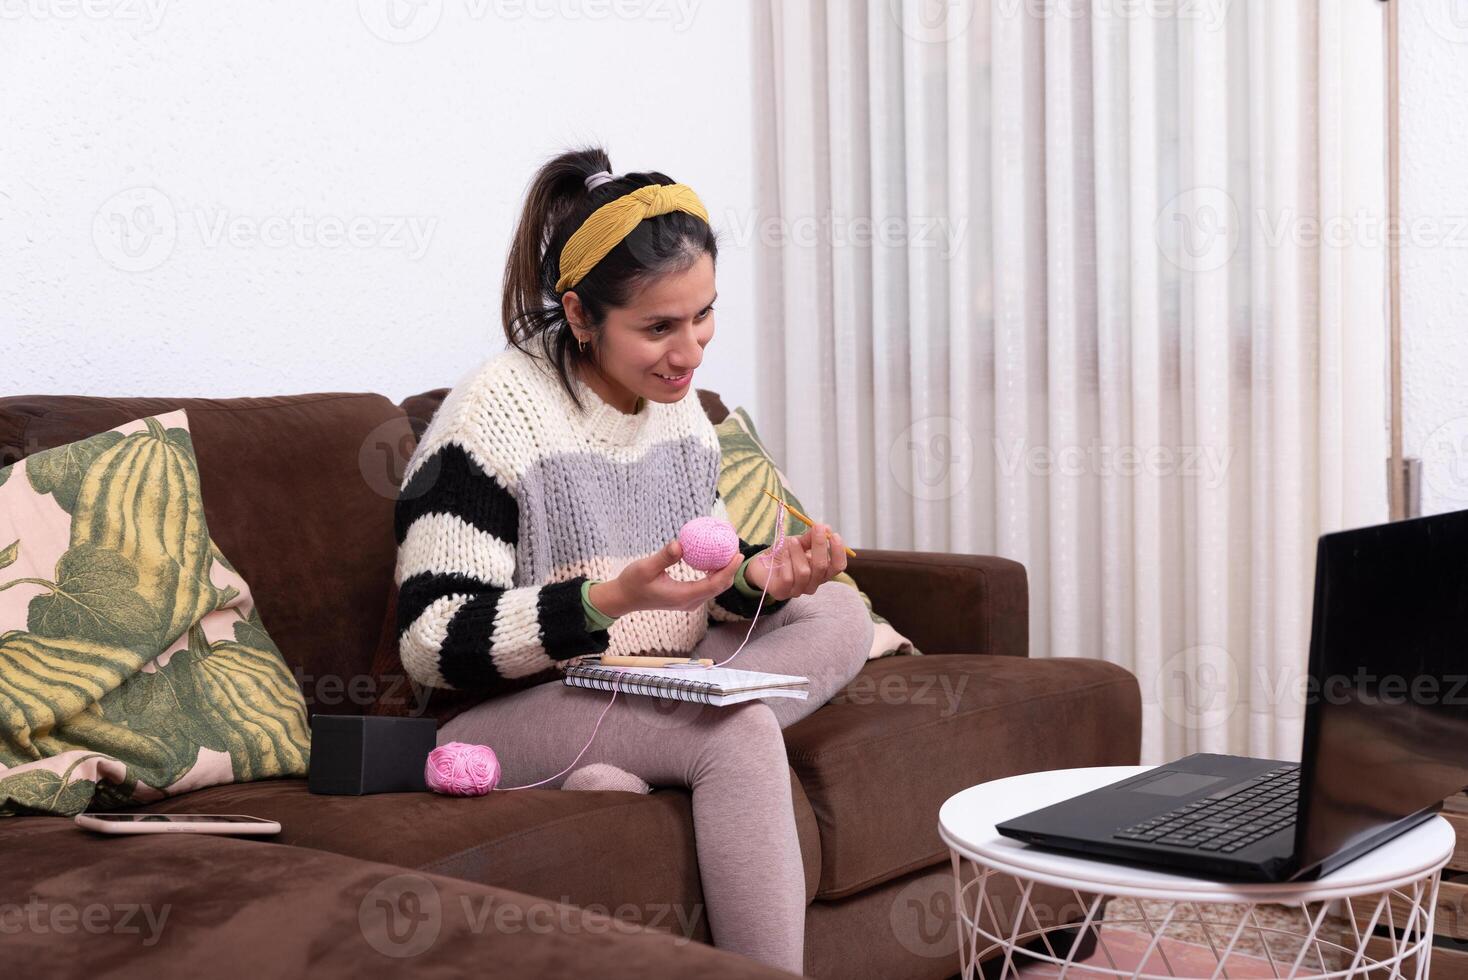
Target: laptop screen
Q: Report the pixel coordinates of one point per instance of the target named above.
(1386, 725)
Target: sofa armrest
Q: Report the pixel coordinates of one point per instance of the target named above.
(949, 603)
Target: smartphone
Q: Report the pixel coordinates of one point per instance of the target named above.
(177, 823)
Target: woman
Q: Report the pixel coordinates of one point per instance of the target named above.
(538, 522)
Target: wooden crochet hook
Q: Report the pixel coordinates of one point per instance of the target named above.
(799, 516)
(625, 660)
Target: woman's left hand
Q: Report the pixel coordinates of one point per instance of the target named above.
(805, 564)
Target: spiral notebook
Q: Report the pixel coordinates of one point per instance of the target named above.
(710, 685)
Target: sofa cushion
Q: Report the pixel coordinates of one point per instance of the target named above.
(195, 905)
(878, 760)
(747, 471)
(132, 661)
(906, 927)
(298, 493)
(583, 847)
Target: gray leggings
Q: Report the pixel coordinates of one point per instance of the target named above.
(733, 759)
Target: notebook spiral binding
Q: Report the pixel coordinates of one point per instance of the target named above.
(610, 675)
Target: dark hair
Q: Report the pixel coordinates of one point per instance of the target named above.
(555, 206)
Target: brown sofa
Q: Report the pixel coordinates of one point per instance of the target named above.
(299, 493)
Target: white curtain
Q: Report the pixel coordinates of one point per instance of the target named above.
(1099, 287)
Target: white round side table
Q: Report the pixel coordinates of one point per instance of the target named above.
(1397, 882)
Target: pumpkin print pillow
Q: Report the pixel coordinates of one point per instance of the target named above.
(133, 664)
(745, 469)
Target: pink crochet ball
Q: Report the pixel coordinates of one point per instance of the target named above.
(708, 543)
(461, 769)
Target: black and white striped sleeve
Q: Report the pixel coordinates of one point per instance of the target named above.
(461, 624)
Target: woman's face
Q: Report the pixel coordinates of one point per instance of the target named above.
(660, 334)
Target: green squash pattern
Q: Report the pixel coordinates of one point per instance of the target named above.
(85, 677)
(746, 470)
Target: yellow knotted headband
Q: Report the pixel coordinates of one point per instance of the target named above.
(614, 221)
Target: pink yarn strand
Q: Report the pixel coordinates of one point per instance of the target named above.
(596, 728)
(771, 558)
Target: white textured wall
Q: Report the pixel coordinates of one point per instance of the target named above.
(1433, 43)
(242, 197)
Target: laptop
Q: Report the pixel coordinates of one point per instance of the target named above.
(1385, 735)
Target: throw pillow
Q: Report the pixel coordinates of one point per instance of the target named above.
(133, 664)
(746, 469)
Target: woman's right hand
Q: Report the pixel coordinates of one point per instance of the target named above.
(646, 584)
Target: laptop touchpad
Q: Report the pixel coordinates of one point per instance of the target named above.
(1173, 783)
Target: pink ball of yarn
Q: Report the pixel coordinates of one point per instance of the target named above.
(461, 769)
(708, 543)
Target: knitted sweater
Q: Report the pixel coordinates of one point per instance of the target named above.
(513, 500)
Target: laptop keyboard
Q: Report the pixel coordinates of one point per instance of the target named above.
(1232, 818)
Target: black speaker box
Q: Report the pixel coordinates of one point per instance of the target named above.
(352, 755)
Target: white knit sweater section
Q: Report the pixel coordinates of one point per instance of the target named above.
(591, 492)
